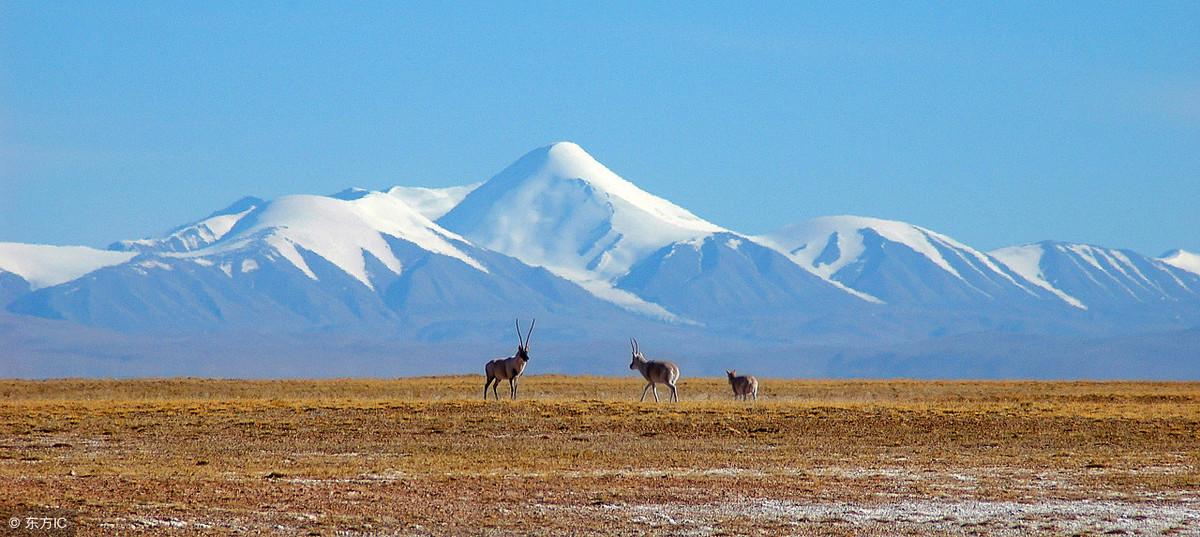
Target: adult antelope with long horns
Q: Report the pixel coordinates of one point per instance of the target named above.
(655, 371)
(509, 368)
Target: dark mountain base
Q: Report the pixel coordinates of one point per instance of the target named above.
(37, 348)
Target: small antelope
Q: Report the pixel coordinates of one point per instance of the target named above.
(655, 371)
(743, 385)
(508, 368)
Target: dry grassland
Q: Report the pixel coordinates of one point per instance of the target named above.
(579, 455)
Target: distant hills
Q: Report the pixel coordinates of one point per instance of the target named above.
(558, 236)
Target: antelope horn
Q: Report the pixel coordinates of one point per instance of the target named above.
(520, 342)
(528, 334)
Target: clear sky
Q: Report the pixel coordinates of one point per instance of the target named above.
(996, 123)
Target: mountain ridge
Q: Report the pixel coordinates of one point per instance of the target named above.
(558, 235)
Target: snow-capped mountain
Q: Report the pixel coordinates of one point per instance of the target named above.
(303, 261)
(1101, 278)
(557, 207)
(899, 264)
(560, 237)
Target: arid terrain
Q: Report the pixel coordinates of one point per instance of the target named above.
(580, 455)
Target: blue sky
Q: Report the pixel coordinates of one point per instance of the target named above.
(996, 123)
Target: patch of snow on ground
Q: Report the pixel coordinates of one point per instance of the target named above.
(921, 517)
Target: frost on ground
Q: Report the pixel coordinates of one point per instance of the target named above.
(409, 457)
(919, 517)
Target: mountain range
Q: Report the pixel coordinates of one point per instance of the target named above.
(560, 237)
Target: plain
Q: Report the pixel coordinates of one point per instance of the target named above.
(579, 455)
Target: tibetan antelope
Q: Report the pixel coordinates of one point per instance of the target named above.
(655, 371)
(509, 368)
(743, 385)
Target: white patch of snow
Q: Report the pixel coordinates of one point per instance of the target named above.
(629, 301)
(803, 246)
(733, 243)
(963, 251)
(432, 202)
(45, 266)
(287, 249)
(221, 224)
(855, 292)
(154, 265)
(248, 265)
(914, 237)
(380, 212)
(1184, 260)
(197, 235)
(1027, 262)
(1092, 256)
(1086, 253)
(1127, 267)
(952, 517)
(1081, 261)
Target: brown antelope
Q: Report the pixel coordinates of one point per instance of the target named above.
(743, 385)
(655, 371)
(508, 368)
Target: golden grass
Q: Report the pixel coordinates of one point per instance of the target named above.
(365, 455)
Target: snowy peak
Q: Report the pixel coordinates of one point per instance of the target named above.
(1096, 277)
(1182, 259)
(195, 235)
(342, 231)
(568, 160)
(828, 244)
(557, 207)
(896, 262)
(45, 266)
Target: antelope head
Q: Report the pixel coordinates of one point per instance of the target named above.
(523, 344)
(731, 373)
(637, 354)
